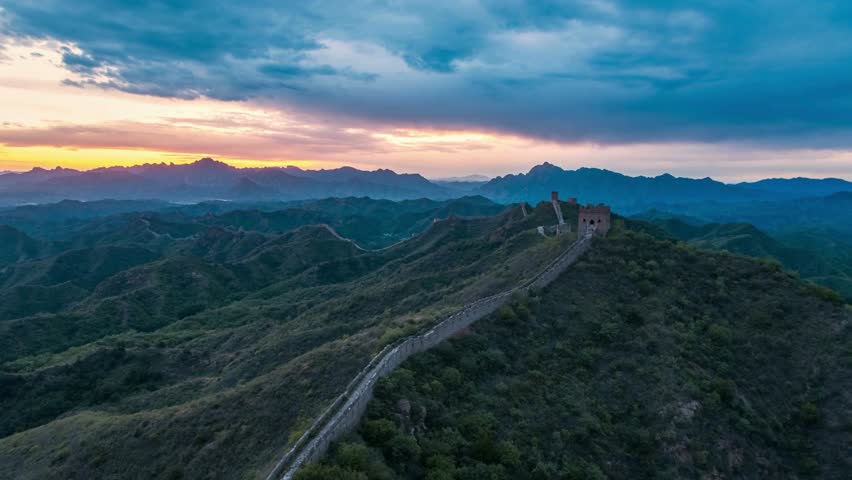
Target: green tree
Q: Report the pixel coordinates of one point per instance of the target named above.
(354, 456)
(403, 449)
(327, 472)
(377, 432)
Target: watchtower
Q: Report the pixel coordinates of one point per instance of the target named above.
(594, 217)
(554, 200)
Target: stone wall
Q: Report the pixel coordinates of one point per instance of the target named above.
(346, 411)
(558, 209)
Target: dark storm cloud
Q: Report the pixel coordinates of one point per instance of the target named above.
(775, 72)
(79, 63)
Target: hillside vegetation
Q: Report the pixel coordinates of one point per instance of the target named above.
(193, 347)
(819, 255)
(647, 359)
(371, 223)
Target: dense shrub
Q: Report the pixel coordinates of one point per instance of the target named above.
(685, 364)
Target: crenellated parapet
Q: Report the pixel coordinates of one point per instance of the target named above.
(346, 411)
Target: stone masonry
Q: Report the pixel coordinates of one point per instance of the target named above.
(346, 411)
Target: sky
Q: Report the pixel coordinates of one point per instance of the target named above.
(729, 89)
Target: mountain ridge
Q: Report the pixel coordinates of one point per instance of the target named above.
(209, 179)
(633, 194)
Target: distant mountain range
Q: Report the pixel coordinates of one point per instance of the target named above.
(466, 178)
(831, 211)
(208, 179)
(633, 194)
(799, 186)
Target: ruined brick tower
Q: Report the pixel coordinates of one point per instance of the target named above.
(596, 217)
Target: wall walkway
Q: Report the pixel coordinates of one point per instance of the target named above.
(345, 412)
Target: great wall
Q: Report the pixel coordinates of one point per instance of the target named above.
(343, 415)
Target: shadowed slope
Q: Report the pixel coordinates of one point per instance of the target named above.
(646, 360)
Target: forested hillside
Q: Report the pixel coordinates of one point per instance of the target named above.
(199, 341)
(163, 345)
(647, 359)
(371, 223)
(821, 255)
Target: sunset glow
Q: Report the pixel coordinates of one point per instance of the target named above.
(62, 106)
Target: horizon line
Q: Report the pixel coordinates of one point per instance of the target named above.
(429, 178)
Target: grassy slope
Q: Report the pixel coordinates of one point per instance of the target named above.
(220, 393)
(820, 255)
(646, 360)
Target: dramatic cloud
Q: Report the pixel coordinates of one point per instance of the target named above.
(775, 73)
